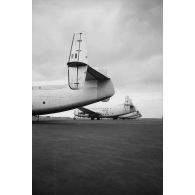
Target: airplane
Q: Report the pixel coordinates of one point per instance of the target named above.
(134, 115)
(86, 85)
(106, 112)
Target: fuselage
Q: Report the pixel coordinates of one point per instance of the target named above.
(105, 112)
(85, 84)
(49, 97)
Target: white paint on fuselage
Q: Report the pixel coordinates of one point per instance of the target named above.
(106, 112)
(52, 97)
(109, 112)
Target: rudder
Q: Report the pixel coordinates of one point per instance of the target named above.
(77, 62)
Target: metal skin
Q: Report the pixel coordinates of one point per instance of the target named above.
(48, 99)
(85, 84)
(106, 112)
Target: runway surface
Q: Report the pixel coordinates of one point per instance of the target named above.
(103, 157)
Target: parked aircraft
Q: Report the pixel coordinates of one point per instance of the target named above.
(86, 85)
(106, 112)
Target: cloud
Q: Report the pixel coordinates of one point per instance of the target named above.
(123, 36)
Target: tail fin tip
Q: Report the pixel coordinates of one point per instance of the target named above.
(78, 51)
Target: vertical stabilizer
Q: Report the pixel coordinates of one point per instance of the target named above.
(77, 62)
(78, 52)
(127, 103)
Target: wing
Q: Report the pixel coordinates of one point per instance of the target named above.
(90, 112)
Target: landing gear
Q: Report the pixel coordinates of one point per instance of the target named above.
(98, 118)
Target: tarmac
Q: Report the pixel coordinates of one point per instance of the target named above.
(105, 157)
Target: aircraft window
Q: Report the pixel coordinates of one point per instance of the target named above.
(43, 102)
(75, 55)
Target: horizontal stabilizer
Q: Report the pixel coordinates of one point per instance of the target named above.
(106, 100)
(93, 74)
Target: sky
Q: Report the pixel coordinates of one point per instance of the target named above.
(123, 36)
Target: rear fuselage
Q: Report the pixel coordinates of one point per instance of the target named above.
(53, 98)
(106, 112)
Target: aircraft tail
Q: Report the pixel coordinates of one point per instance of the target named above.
(127, 103)
(78, 51)
(78, 69)
(133, 108)
(77, 62)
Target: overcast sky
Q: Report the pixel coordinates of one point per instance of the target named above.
(125, 36)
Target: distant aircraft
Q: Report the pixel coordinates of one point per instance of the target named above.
(85, 84)
(106, 112)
